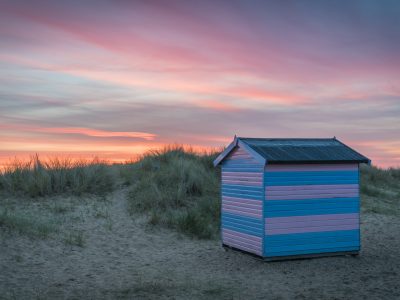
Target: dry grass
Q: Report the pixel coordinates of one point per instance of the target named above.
(39, 178)
(179, 189)
(175, 187)
(27, 223)
(380, 190)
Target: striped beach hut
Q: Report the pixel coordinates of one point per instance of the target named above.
(289, 198)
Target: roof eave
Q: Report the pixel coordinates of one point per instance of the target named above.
(367, 161)
(225, 153)
(236, 141)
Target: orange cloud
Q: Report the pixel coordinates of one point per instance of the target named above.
(79, 130)
(257, 94)
(98, 133)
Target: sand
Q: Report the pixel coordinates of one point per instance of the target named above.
(123, 258)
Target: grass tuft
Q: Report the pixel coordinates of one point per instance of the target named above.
(178, 189)
(75, 238)
(380, 190)
(38, 178)
(27, 223)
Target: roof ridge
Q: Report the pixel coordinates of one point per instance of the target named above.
(240, 137)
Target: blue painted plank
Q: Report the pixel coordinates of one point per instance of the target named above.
(248, 225)
(313, 201)
(311, 242)
(311, 182)
(242, 219)
(242, 223)
(244, 192)
(313, 251)
(239, 192)
(310, 237)
(243, 195)
(296, 174)
(242, 187)
(316, 178)
(283, 247)
(305, 212)
(330, 203)
(316, 241)
(242, 229)
(240, 197)
(309, 177)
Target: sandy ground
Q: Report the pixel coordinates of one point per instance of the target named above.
(124, 258)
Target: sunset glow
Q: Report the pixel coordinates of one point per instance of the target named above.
(117, 78)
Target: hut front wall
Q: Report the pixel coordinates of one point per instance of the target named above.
(311, 209)
(242, 196)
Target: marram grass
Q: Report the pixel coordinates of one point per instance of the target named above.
(174, 187)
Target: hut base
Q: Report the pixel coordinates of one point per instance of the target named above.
(293, 257)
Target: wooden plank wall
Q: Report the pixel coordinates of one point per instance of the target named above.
(242, 194)
(311, 209)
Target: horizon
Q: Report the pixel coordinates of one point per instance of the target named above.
(113, 80)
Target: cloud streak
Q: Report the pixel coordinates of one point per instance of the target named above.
(97, 133)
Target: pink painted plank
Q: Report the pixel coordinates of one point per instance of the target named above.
(241, 246)
(310, 187)
(242, 198)
(254, 180)
(244, 183)
(311, 217)
(256, 176)
(312, 229)
(312, 223)
(236, 176)
(244, 174)
(244, 205)
(242, 180)
(242, 212)
(240, 208)
(233, 205)
(242, 235)
(314, 196)
(241, 201)
(240, 155)
(244, 243)
(308, 167)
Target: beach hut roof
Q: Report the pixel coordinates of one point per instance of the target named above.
(296, 150)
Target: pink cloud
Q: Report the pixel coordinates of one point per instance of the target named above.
(217, 105)
(80, 131)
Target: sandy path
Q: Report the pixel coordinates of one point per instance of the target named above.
(122, 258)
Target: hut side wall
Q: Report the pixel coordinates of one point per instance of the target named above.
(311, 209)
(242, 196)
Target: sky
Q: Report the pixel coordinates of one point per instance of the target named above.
(117, 78)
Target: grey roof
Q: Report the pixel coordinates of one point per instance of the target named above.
(295, 150)
(303, 150)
